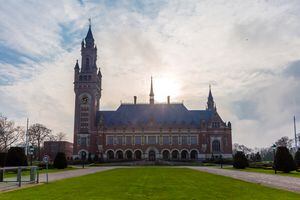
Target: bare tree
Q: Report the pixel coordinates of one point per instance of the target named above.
(60, 136)
(37, 134)
(284, 141)
(241, 147)
(9, 134)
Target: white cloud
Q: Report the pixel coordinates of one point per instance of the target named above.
(241, 47)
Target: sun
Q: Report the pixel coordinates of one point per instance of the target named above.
(164, 87)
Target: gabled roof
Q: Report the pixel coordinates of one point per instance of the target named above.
(159, 114)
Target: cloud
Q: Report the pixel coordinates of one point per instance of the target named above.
(247, 50)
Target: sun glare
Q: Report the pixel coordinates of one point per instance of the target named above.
(164, 87)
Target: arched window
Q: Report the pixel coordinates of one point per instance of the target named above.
(216, 146)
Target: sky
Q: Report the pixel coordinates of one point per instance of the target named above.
(249, 51)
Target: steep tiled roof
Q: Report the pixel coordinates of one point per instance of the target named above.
(160, 114)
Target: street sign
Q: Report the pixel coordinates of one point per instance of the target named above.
(46, 159)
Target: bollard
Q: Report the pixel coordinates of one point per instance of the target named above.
(32, 174)
(19, 176)
(37, 176)
(1, 175)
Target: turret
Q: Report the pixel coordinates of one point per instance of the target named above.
(210, 101)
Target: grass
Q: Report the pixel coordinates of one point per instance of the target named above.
(150, 183)
(10, 174)
(266, 171)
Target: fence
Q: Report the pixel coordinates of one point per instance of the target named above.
(21, 172)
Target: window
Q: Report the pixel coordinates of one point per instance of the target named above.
(166, 140)
(128, 140)
(175, 140)
(151, 139)
(194, 140)
(216, 124)
(110, 140)
(83, 141)
(216, 146)
(119, 140)
(87, 63)
(184, 140)
(138, 140)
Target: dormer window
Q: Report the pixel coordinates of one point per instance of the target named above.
(215, 124)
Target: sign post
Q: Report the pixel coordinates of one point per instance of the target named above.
(46, 161)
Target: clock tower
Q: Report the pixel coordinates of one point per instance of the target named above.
(87, 87)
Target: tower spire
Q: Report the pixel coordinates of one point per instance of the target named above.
(89, 39)
(210, 101)
(151, 92)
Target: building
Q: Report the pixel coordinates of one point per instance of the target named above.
(142, 131)
(51, 148)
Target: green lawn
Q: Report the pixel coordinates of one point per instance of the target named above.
(266, 171)
(43, 171)
(149, 183)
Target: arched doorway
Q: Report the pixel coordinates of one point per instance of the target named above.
(184, 155)
(194, 155)
(110, 155)
(151, 155)
(119, 155)
(128, 155)
(166, 155)
(138, 155)
(175, 155)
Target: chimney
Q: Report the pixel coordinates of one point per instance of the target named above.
(168, 99)
(134, 99)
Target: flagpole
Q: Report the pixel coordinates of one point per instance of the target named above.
(26, 138)
(296, 145)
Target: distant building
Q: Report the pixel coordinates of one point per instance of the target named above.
(142, 130)
(52, 147)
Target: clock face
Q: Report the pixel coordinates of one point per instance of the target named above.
(84, 100)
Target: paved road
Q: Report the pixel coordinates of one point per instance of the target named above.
(277, 181)
(55, 176)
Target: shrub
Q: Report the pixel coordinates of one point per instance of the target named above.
(2, 159)
(60, 161)
(240, 161)
(297, 158)
(16, 157)
(257, 157)
(284, 160)
(90, 160)
(96, 158)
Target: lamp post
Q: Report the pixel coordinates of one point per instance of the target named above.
(221, 160)
(83, 156)
(274, 148)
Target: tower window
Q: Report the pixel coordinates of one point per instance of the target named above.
(87, 63)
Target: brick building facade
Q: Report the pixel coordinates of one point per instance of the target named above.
(51, 148)
(142, 131)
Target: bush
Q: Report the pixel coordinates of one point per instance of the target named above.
(60, 161)
(2, 159)
(16, 157)
(96, 158)
(284, 160)
(240, 161)
(90, 160)
(297, 158)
